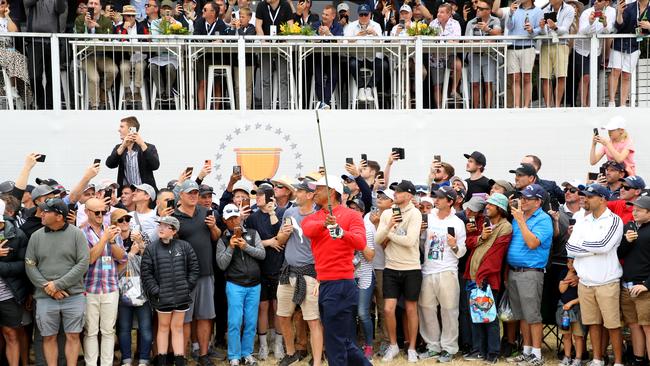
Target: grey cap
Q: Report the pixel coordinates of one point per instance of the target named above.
(6, 186)
(148, 189)
(43, 190)
(170, 220)
(475, 204)
(641, 202)
(189, 186)
(502, 183)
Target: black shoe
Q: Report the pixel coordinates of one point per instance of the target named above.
(289, 359)
(169, 359)
(205, 361)
(302, 354)
(179, 360)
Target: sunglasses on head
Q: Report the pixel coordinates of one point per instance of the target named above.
(572, 190)
(231, 210)
(123, 219)
(99, 213)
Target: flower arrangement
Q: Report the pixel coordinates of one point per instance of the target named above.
(296, 30)
(168, 28)
(421, 29)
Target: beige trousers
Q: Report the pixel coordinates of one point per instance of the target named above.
(101, 313)
(92, 66)
(125, 72)
(439, 288)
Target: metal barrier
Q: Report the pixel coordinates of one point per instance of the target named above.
(295, 72)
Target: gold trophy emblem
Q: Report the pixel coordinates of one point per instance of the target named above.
(258, 162)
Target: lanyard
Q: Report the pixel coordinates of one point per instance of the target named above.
(209, 29)
(639, 14)
(273, 16)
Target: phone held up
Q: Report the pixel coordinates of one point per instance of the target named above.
(397, 212)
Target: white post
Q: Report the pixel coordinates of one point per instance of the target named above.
(594, 72)
(241, 72)
(419, 97)
(56, 73)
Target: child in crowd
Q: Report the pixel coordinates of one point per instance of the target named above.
(569, 303)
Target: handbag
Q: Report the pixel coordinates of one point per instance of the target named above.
(481, 305)
(130, 285)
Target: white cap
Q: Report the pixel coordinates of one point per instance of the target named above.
(615, 123)
(575, 183)
(343, 6)
(2, 210)
(388, 193)
(230, 211)
(427, 199)
(334, 182)
(406, 8)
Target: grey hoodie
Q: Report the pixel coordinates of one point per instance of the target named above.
(45, 16)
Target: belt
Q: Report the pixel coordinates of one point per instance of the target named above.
(526, 269)
(513, 47)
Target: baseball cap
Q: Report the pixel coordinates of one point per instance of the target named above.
(533, 191)
(615, 123)
(172, 183)
(89, 186)
(575, 183)
(614, 165)
(451, 2)
(421, 189)
(302, 186)
(43, 190)
(106, 184)
(405, 8)
(475, 204)
(167, 4)
(170, 220)
(334, 183)
(357, 202)
(230, 210)
(642, 202)
(403, 186)
(524, 169)
(54, 205)
(456, 178)
(189, 186)
(47, 181)
(342, 7)
(147, 189)
(427, 199)
(502, 183)
(499, 200)
(446, 192)
(7, 186)
(363, 9)
(118, 214)
(634, 181)
(347, 178)
(261, 186)
(595, 190)
(2, 211)
(205, 189)
(241, 186)
(477, 156)
(29, 188)
(388, 193)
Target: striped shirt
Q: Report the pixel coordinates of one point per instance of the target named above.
(102, 275)
(363, 269)
(132, 172)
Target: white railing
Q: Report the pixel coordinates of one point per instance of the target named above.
(292, 72)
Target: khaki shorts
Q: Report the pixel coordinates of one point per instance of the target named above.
(309, 305)
(554, 61)
(600, 305)
(521, 60)
(635, 309)
(576, 330)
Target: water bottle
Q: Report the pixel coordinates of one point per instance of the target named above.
(566, 321)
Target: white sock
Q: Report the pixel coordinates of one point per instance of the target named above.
(272, 333)
(263, 339)
(528, 350)
(537, 352)
(195, 346)
(278, 339)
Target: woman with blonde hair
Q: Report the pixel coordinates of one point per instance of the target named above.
(618, 146)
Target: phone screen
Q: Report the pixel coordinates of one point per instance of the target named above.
(189, 170)
(451, 231)
(236, 169)
(437, 158)
(97, 161)
(268, 195)
(170, 203)
(41, 158)
(349, 161)
(108, 193)
(364, 157)
(593, 176)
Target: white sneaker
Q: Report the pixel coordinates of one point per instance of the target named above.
(369, 96)
(263, 352)
(390, 353)
(278, 349)
(611, 104)
(412, 355)
(361, 96)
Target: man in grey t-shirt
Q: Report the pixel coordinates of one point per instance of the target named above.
(298, 278)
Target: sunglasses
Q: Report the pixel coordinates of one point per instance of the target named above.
(99, 213)
(572, 190)
(123, 219)
(482, 8)
(279, 186)
(364, 15)
(627, 188)
(150, 6)
(231, 210)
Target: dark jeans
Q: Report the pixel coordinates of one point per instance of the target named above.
(39, 59)
(327, 69)
(337, 302)
(465, 337)
(375, 64)
(486, 338)
(145, 331)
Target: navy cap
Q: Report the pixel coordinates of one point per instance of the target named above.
(525, 169)
(363, 9)
(614, 165)
(347, 178)
(358, 202)
(205, 189)
(595, 190)
(634, 181)
(446, 192)
(533, 191)
(477, 156)
(54, 205)
(403, 186)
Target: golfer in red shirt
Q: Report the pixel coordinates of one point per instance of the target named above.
(334, 238)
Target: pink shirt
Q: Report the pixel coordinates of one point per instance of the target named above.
(630, 167)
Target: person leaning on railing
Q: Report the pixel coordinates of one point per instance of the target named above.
(241, 26)
(11, 61)
(96, 23)
(208, 25)
(131, 62)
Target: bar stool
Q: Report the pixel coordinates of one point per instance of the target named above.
(222, 71)
(445, 88)
(143, 96)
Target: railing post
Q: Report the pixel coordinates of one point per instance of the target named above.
(419, 95)
(241, 72)
(594, 72)
(56, 72)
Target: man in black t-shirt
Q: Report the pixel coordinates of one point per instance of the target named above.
(269, 15)
(477, 182)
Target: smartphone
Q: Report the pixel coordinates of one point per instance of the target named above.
(402, 153)
(170, 203)
(189, 170)
(515, 204)
(572, 222)
(287, 221)
(437, 158)
(634, 226)
(321, 169)
(374, 209)
(245, 202)
(395, 151)
(402, 22)
(268, 195)
(72, 206)
(41, 158)
(380, 175)
(108, 193)
(595, 131)
(451, 231)
(182, 12)
(97, 161)
(208, 162)
(236, 169)
(364, 157)
(91, 12)
(425, 219)
(349, 161)
(592, 176)
(487, 222)
(603, 171)
(397, 212)
(472, 220)
(237, 232)
(133, 130)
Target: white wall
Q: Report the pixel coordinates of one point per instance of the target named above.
(561, 138)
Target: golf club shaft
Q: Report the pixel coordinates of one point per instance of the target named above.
(322, 153)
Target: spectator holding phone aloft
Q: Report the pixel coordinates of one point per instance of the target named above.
(617, 146)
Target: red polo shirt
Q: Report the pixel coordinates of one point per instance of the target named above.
(622, 210)
(333, 257)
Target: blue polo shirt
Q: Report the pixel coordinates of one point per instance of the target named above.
(519, 255)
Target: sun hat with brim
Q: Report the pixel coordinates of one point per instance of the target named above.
(499, 200)
(284, 181)
(129, 10)
(118, 214)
